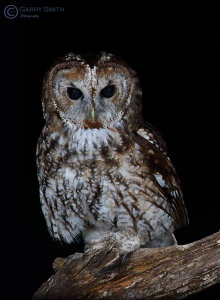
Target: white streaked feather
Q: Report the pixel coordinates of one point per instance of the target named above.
(160, 180)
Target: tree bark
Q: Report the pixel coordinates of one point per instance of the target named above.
(173, 272)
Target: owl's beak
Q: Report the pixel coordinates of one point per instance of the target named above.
(92, 113)
(92, 123)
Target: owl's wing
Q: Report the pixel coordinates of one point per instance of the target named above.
(162, 171)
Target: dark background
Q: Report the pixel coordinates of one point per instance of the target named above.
(176, 54)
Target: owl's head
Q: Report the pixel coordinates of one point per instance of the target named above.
(95, 91)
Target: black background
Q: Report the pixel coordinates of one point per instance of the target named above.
(176, 54)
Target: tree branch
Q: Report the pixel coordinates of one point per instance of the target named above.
(173, 272)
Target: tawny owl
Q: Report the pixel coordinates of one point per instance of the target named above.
(103, 171)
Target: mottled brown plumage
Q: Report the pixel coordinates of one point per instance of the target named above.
(102, 170)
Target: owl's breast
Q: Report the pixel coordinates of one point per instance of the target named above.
(101, 179)
(96, 165)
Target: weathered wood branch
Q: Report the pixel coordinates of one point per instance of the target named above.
(173, 272)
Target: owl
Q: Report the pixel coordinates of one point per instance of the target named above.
(103, 171)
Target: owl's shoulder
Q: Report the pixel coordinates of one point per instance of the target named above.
(149, 133)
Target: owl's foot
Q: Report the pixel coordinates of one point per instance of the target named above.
(123, 241)
(112, 251)
(164, 240)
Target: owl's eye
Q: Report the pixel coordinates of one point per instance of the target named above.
(74, 93)
(108, 91)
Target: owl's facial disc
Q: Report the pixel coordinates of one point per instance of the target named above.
(92, 97)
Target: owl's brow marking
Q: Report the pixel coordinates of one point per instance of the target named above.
(92, 78)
